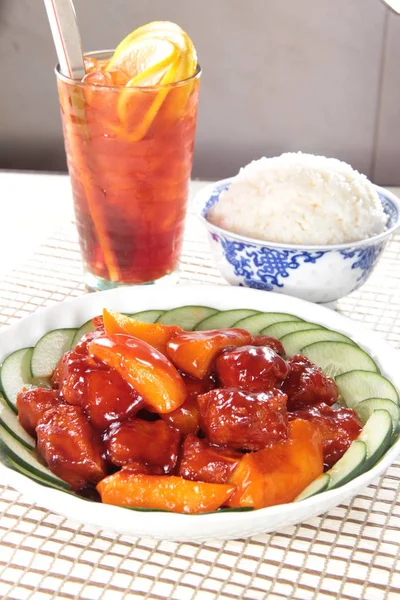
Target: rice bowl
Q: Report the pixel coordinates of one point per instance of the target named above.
(318, 273)
(302, 199)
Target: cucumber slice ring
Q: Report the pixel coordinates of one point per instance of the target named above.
(296, 341)
(366, 408)
(224, 319)
(376, 435)
(49, 350)
(186, 317)
(278, 330)
(336, 358)
(15, 374)
(9, 420)
(87, 327)
(315, 487)
(28, 459)
(358, 385)
(45, 482)
(348, 467)
(147, 316)
(256, 323)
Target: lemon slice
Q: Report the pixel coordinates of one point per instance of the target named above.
(156, 54)
(154, 74)
(179, 97)
(141, 54)
(126, 100)
(126, 54)
(173, 33)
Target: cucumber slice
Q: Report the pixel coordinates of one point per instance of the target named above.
(349, 466)
(20, 469)
(186, 317)
(338, 357)
(49, 350)
(278, 330)
(315, 487)
(15, 373)
(27, 459)
(9, 420)
(256, 323)
(296, 341)
(224, 319)
(366, 408)
(4, 459)
(357, 385)
(87, 327)
(147, 316)
(376, 436)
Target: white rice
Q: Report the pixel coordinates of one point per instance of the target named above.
(300, 198)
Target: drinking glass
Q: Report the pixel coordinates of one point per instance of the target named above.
(129, 153)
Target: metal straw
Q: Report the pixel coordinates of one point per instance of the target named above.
(67, 40)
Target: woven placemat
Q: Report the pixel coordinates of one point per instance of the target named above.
(352, 552)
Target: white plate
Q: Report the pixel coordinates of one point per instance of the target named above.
(168, 526)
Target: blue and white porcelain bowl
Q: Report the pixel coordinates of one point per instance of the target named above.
(316, 273)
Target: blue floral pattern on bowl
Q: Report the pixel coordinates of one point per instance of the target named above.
(214, 197)
(320, 275)
(365, 259)
(390, 209)
(269, 265)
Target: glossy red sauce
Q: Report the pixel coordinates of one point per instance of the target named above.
(33, 403)
(252, 368)
(243, 420)
(307, 384)
(152, 443)
(270, 342)
(117, 402)
(194, 352)
(200, 461)
(338, 427)
(70, 446)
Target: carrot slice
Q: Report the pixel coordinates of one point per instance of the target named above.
(277, 474)
(194, 351)
(155, 334)
(126, 488)
(152, 375)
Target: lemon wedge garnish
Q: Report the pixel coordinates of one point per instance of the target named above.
(157, 54)
(141, 54)
(168, 31)
(128, 100)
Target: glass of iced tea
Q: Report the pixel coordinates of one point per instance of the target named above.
(129, 145)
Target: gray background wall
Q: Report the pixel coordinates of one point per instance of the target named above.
(315, 75)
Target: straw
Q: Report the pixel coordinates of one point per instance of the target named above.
(67, 41)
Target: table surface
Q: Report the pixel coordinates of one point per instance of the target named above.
(351, 552)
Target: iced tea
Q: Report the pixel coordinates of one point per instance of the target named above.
(129, 153)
